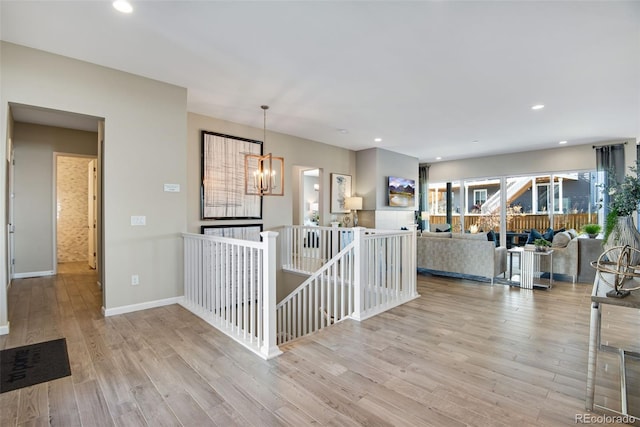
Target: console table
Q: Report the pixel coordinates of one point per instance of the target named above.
(598, 299)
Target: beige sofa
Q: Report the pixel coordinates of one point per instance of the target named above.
(461, 253)
(565, 255)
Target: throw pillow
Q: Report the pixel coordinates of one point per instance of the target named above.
(559, 230)
(491, 236)
(561, 240)
(533, 235)
(442, 228)
(548, 235)
(573, 233)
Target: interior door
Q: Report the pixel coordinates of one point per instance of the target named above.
(92, 218)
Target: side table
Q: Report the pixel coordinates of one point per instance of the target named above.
(530, 260)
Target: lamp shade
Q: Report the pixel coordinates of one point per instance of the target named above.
(353, 203)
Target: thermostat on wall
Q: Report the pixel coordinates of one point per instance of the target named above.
(172, 188)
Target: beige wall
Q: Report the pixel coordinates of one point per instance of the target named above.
(34, 218)
(145, 128)
(574, 158)
(72, 202)
(277, 211)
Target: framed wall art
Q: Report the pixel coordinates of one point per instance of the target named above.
(222, 193)
(235, 231)
(340, 190)
(402, 192)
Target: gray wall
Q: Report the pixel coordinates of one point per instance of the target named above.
(575, 158)
(375, 166)
(145, 147)
(34, 216)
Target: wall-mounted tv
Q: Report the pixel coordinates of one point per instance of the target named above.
(402, 192)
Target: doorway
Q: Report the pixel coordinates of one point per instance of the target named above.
(310, 197)
(37, 134)
(75, 209)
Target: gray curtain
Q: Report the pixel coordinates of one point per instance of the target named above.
(423, 205)
(610, 166)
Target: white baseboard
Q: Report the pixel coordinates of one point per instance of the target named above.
(33, 274)
(4, 329)
(141, 306)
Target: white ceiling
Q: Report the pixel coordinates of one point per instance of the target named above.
(429, 78)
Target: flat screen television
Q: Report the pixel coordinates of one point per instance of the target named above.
(402, 192)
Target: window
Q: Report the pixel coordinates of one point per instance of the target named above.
(479, 198)
(557, 200)
(438, 203)
(482, 198)
(530, 201)
(544, 197)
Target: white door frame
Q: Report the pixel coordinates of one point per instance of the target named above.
(10, 224)
(92, 220)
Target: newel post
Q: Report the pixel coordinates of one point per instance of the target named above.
(358, 253)
(413, 261)
(269, 348)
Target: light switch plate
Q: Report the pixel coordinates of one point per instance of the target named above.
(172, 188)
(138, 220)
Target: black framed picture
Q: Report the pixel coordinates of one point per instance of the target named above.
(234, 231)
(222, 193)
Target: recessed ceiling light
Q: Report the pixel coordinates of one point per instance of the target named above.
(123, 6)
(343, 131)
(438, 158)
(475, 141)
(562, 142)
(537, 107)
(378, 139)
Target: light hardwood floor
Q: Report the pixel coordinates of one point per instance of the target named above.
(464, 353)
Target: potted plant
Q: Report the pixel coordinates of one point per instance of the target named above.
(541, 245)
(592, 230)
(624, 198)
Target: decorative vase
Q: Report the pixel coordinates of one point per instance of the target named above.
(623, 233)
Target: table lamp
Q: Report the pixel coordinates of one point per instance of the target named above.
(353, 204)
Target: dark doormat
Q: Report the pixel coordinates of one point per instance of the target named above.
(33, 364)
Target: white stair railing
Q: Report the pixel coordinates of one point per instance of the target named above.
(375, 272)
(388, 275)
(307, 248)
(325, 298)
(231, 284)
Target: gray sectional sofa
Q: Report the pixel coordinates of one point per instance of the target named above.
(461, 253)
(565, 255)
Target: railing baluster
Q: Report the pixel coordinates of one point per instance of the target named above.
(323, 303)
(313, 313)
(294, 317)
